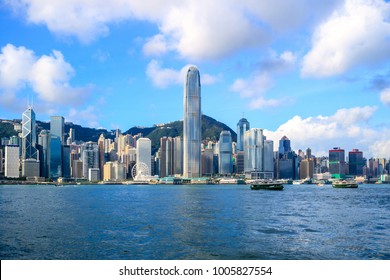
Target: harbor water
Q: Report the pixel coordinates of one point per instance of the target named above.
(169, 222)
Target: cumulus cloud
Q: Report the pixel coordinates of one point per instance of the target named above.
(260, 81)
(385, 96)
(48, 76)
(196, 30)
(355, 35)
(346, 128)
(164, 77)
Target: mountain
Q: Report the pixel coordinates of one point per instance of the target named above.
(211, 130)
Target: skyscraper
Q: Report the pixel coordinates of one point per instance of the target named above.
(192, 125)
(29, 137)
(56, 142)
(337, 163)
(242, 126)
(11, 161)
(284, 146)
(144, 154)
(356, 162)
(90, 158)
(225, 153)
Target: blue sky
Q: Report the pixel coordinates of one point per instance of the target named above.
(318, 73)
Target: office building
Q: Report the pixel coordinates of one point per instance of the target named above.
(144, 155)
(284, 146)
(242, 126)
(29, 136)
(356, 162)
(258, 155)
(43, 147)
(225, 153)
(192, 125)
(93, 174)
(56, 142)
(30, 168)
(337, 165)
(11, 161)
(90, 158)
(306, 168)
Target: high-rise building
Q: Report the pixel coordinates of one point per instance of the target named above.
(258, 155)
(242, 126)
(337, 165)
(306, 168)
(178, 155)
(12, 162)
(1, 160)
(90, 158)
(192, 124)
(284, 146)
(144, 154)
(56, 142)
(225, 153)
(102, 160)
(356, 162)
(29, 136)
(43, 146)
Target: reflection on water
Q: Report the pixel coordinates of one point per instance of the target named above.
(194, 222)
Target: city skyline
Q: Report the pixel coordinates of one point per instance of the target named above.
(304, 76)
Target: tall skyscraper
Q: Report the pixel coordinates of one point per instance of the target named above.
(258, 155)
(11, 161)
(242, 126)
(356, 162)
(43, 144)
(90, 158)
(337, 163)
(192, 129)
(144, 154)
(29, 137)
(56, 142)
(225, 153)
(284, 146)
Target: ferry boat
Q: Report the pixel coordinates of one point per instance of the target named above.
(267, 185)
(345, 184)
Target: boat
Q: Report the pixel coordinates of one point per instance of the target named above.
(344, 184)
(267, 185)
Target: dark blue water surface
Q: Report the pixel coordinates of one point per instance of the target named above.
(194, 222)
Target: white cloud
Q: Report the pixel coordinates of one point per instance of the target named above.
(87, 116)
(346, 128)
(385, 96)
(164, 77)
(48, 76)
(357, 34)
(260, 81)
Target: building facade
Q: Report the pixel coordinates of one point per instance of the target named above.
(192, 129)
(29, 136)
(242, 126)
(225, 153)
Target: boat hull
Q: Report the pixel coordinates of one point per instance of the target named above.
(345, 186)
(270, 187)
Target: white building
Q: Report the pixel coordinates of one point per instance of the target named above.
(144, 153)
(12, 162)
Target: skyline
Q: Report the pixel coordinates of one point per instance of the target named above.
(288, 69)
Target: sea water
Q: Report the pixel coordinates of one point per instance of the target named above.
(173, 222)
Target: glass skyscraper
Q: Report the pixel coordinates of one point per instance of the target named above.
(192, 128)
(56, 142)
(225, 153)
(242, 126)
(29, 137)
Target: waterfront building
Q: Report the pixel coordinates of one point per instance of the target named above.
(1, 160)
(257, 160)
(56, 142)
(225, 153)
(143, 154)
(43, 147)
(207, 162)
(178, 155)
(119, 171)
(192, 124)
(30, 168)
(337, 164)
(66, 161)
(306, 168)
(90, 158)
(242, 126)
(77, 169)
(93, 174)
(11, 161)
(240, 162)
(101, 149)
(356, 162)
(71, 137)
(108, 171)
(284, 146)
(29, 137)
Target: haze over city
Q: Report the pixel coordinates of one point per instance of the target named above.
(318, 75)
